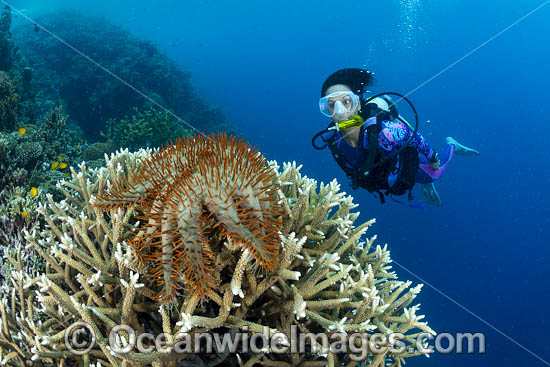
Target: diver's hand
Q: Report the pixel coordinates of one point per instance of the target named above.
(434, 161)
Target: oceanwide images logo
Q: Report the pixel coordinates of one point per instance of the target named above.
(80, 339)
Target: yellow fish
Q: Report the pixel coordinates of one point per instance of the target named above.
(33, 191)
(66, 173)
(63, 165)
(42, 132)
(25, 213)
(22, 131)
(54, 165)
(60, 158)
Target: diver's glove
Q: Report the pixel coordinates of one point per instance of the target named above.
(434, 158)
(434, 161)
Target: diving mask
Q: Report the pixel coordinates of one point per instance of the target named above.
(338, 103)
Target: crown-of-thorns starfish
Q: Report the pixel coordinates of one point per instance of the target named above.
(191, 196)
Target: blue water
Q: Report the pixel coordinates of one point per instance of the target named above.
(486, 247)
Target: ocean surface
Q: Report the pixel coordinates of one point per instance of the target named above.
(475, 70)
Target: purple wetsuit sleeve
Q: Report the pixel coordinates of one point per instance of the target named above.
(396, 134)
(420, 143)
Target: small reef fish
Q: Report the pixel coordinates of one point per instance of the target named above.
(60, 158)
(24, 213)
(22, 131)
(33, 191)
(54, 165)
(63, 165)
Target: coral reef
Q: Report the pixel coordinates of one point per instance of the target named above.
(15, 98)
(8, 102)
(92, 96)
(11, 174)
(26, 156)
(5, 20)
(150, 128)
(6, 46)
(97, 151)
(18, 212)
(325, 278)
(28, 152)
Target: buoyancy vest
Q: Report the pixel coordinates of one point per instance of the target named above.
(395, 176)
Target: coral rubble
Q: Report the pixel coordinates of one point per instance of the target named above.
(326, 278)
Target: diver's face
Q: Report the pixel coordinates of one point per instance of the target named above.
(343, 108)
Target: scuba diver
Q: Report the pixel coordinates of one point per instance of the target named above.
(401, 156)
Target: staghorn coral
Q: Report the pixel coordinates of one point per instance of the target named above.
(326, 280)
(14, 201)
(17, 213)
